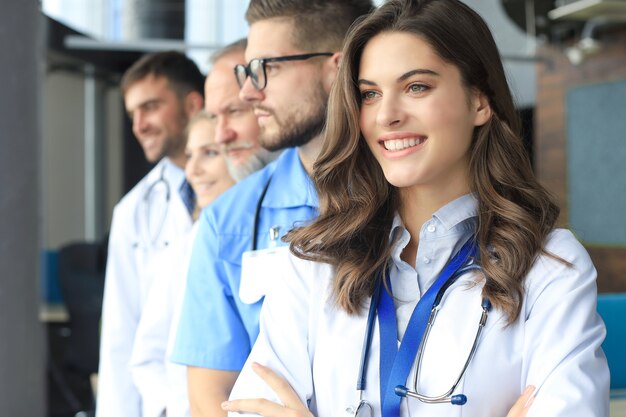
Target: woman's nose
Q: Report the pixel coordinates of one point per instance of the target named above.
(389, 112)
(192, 168)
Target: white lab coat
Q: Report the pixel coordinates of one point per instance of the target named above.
(129, 274)
(163, 384)
(555, 345)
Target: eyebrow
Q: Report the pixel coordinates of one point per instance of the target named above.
(404, 76)
(144, 104)
(229, 105)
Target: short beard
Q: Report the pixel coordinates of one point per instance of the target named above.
(298, 133)
(255, 162)
(174, 146)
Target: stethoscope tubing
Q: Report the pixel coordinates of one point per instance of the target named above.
(369, 333)
(145, 232)
(458, 399)
(403, 391)
(257, 214)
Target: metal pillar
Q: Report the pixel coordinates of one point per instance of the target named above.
(22, 346)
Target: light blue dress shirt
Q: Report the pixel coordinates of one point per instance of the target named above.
(439, 239)
(217, 329)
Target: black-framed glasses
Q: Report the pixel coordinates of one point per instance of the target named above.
(256, 68)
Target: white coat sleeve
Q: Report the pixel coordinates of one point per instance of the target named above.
(117, 395)
(148, 358)
(564, 333)
(283, 342)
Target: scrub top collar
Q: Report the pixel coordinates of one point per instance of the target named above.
(290, 184)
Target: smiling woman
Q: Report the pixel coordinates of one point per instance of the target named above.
(417, 117)
(206, 168)
(162, 384)
(428, 208)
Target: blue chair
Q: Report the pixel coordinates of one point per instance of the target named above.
(612, 309)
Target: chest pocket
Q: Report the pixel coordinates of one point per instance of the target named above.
(251, 273)
(259, 267)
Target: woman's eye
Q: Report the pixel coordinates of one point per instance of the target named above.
(418, 88)
(368, 95)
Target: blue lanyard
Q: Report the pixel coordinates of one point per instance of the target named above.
(395, 364)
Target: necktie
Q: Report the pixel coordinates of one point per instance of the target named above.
(188, 196)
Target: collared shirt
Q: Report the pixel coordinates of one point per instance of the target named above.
(440, 238)
(217, 328)
(555, 344)
(144, 223)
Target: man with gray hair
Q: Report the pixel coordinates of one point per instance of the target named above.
(236, 127)
(293, 55)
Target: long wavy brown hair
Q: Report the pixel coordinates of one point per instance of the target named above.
(357, 204)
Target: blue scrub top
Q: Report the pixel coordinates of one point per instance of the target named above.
(216, 329)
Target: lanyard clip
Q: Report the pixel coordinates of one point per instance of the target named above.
(274, 230)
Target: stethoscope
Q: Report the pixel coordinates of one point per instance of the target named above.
(257, 214)
(146, 232)
(364, 409)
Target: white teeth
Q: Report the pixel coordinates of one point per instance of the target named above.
(399, 144)
(202, 187)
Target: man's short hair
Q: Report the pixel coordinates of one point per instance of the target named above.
(181, 72)
(320, 25)
(239, 46)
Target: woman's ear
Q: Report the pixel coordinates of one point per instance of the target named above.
(193, 103)
(482, 108)
(330, 70)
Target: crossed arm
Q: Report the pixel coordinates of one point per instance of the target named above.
(208, 388)
(294, 407)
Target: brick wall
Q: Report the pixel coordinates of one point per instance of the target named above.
(555, 76)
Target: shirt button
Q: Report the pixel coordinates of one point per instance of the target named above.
(431, 228)
(426, 260)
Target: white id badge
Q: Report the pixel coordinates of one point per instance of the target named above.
(257, 271)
